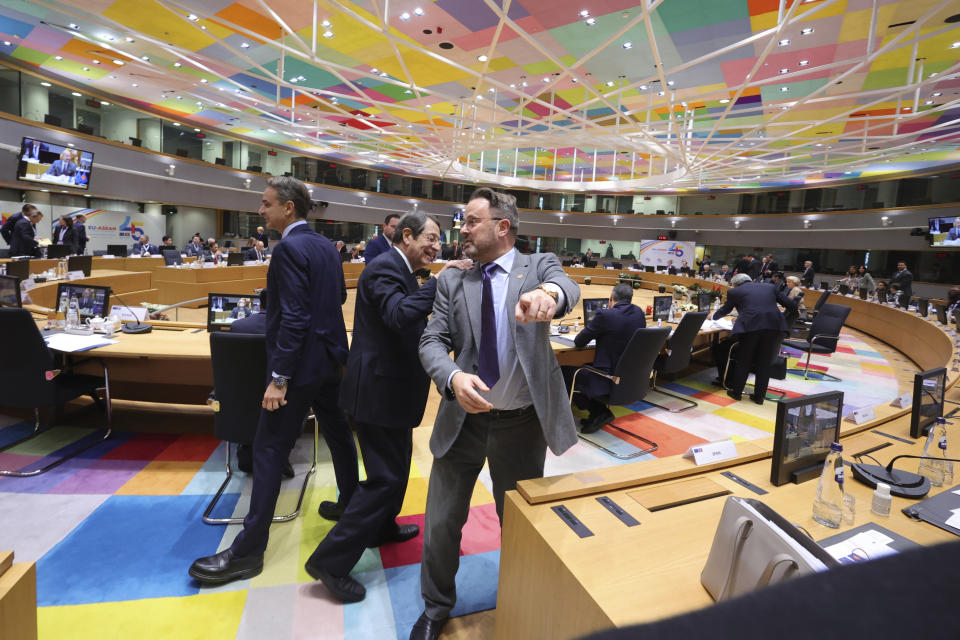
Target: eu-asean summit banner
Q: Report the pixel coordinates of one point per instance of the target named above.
(666, 253)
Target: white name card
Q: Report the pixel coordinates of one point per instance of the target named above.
(862, 415)
(902, 402)
(250, 263)
(138, 314)
(712, 452)
(75, 275)
(108, 256)
(209, 265)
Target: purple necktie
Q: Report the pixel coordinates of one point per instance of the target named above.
(489, 361)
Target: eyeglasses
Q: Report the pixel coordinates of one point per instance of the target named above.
(470, 223)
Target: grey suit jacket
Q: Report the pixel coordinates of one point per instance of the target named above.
(455, 326)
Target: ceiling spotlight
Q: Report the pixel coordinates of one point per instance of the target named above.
(936, 94)
(491, 90)
(96, 62)
(75, 94)
(628, 45)
(176, 124)
(807, 31)
(177, 65)
(807, 224)
(246, 183)
(673, 223)
(928, 102)
(670, 83)
(203, 81)
(724, 100)
(73, 26)
(325, 23)
(104, 103)
(523, 84)
(886, 221)
(590, 21)
(584, 14)
(328, 34)
(145, 58)
(192, 18)
(6, 43)
(86, 68)
(197, 130)
(803, 63)
(244, 45)
(736, 224)
(644, 87)
(404, 16)
(45, 84)
(575, 81)
(129, 39)
(955, 45)
(783, 43)
(784, 89)
(118, 62)
(135, 85)
(418, 11)
(58, 57)
(783, 71)
(546, 79)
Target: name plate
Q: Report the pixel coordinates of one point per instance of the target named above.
(138, 314)
(75, 275)
(862, 415)
(209, 265)
(108, 256)
(712, 452)
(902, 402)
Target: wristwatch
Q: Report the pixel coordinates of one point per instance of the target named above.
(279, 381)
(552, 294)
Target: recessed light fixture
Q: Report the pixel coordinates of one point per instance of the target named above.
(783, 71)
(96, 62)
(118, 62)
(179, 97)
(784, 89)
(58, 57)
(192, 18)
(404, 16)
(955, 45)
(244, 45)
(197, 130)
(936, 94)
(105, 103)
(806, 31)
(6, 43)
(177, 65)
(328, 34)
(73, 26)
(628, 45)
(134, 85)
(129, 39)
(610, 83)
(76, 94)
(205, 81)
(325, 23)
(783, 43)
(86, 68)
(45, 84)
(176, 124)
(145, 58)
(584, 14)
(660, 93)
(670, 83)
(418, 11)
(803, 63)
(69, 144)
(523, 84)
(590, 21)
(724, 100)
(491, 90)
(644, 87)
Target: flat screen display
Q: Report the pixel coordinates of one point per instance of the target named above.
(928, 389)
(91, 300)
(55, 164)
(80, 263)
(945, 232)
(703, 301)
(9, 291)
(591, 306)
(224, 308)
(19, 268)
(661, 307)
(805, 428)
(457, 219)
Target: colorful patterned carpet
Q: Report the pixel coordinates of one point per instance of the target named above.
(114, 531)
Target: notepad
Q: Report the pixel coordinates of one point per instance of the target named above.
(72, 343)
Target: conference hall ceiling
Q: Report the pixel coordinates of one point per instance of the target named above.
(600, 95)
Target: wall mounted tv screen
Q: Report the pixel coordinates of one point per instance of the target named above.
(944, 232)
(54, 164)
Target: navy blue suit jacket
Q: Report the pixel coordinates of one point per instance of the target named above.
(80, 236)
(7, 229)
(306, 338)
(255, 324)
(385, 384)
(612, 329)
(375, 247)
(756, 304)
(24, 241)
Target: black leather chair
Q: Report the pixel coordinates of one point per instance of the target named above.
(778, 368)
(31, 376)
(823, 336)
(677, 358)
(631, 381)
(239, 378)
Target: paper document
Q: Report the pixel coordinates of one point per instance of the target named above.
(71, 343)
(866, 545)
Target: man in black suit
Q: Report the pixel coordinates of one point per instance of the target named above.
(612, 328)
(381, 243)
(808, 274)
(195, 248)
(904, 279)
(24, 241)
(80, 233)
(768, 267)
(262, 236)
(749, 266)
(306, 344)
(342, 250)
(64, 235)
(385, 390)
(758, 327)
(257, 252)
(6, 231)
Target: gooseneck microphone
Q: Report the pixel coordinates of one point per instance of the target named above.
(902, 483)
(132, 327)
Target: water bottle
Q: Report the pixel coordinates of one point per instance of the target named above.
(256, 305)
(828, 505)
(936, 470)
(62, 311)
(73, 314)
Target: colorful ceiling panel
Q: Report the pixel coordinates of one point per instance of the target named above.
(600, 95)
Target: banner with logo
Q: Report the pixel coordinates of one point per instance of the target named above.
(666, 253)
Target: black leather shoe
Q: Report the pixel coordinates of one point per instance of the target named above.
(288, 470)
(344, 589)
(331, 510)
(225, 567)
(245, 458)
(403, 533)
(595, 423)
(757, 399)
(735, 396)
(427, 628)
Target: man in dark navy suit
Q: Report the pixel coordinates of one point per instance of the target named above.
(306, 344)
(6, 230)
(903, 279)
(612, 328)
(381, 243)
(385, 390)
(80, 233)
(142, 247)
(24, 241)
(808, 274)
(758, 327)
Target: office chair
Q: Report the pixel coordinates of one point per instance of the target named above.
(823, 336)
(630, 381)
(239, 370)
(32, 377)
(778, 367)
(677, 358)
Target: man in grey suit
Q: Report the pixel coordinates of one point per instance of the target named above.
(504, 399)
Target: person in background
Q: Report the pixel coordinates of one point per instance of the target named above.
(65, 166)
(195, 248)
(167, 243)
(768, 267)
(382, 242)
(215, 253)
(794, 292)
(612, 328)
(851, 279)
(143, 247)
(954, 232)
(24, 241)
(33, 150)
(6, 231)
(80, 233)
(64, 235)
(706, 267)
(262, 236)
(904, 279)
(882, 288)
(725, 273)
(808, 275)
(865, 281)
(953, 301)
(257, 252)
(342, 250)
(355, 253)
(777, 280)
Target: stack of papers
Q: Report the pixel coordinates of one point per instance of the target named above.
(71, 343)
(723, 324)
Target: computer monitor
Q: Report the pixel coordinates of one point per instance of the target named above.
(222, 309)
(53, 163)
(703, 301)
(92, 300)
(590, 264)
(171, 257)
(117, 250)
(10, 291)
(661, 307)
(923, 306)
(941, 313)
(649, 268)
(903, 300)
(805, 428)
(80, 263)
(234, 259)
(57, 251)
(19, 268)
(928, 390)
(843, 289)
(591, 306)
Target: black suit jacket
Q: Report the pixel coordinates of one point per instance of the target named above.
(385, 384)
(24, 241)
(67, 234)
(306, 338)
(255, 324)
(6, 231)
(807, 278)
(612, 329)
(375, 247)
(756, 305)
(905, 280)
(768, 269)
(80, 236)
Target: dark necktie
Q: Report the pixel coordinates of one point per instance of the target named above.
(489, 360)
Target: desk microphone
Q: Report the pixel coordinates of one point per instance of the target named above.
(132, 327)
(902, 483)
(561, 328)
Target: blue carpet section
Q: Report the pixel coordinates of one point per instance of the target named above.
(15, 432)
(132, 547)
(476, 575)
(679, 388)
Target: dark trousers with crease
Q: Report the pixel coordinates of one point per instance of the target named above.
(751, 354)
(515, 449)
(371, 514)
